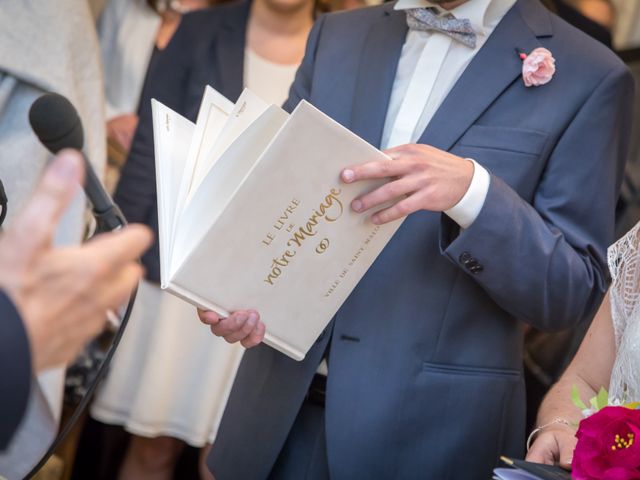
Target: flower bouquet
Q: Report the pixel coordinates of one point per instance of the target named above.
(608, 445)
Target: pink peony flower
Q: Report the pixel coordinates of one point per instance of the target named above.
(608, 446)
(538, 67)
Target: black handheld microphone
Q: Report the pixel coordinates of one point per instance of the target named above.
(57, 125)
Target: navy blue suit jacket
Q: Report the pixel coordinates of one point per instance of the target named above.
(15, 370)
(425, 355)
(207, 49)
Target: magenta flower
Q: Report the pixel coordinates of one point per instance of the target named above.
(608, 446)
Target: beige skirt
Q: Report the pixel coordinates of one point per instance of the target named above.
(170, 376)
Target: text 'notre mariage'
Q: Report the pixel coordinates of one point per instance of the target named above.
(329, 210)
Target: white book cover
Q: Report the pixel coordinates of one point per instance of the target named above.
(253, 214)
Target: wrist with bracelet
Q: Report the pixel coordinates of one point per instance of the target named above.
(555, 421)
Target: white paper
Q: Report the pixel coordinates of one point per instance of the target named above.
(513, 474)
(212, 117)
(171, 132)
(247, 109)
(218, 187)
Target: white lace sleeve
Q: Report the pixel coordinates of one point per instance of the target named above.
(624, 264)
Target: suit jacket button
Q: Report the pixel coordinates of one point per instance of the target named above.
(476, 268)
(465, 258)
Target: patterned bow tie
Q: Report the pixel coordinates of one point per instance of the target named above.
(426, 19)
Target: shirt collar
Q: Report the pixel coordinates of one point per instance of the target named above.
(484, 15)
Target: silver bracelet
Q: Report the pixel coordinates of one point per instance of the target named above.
(557, 420)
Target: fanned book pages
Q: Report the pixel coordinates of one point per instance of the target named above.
(253, 214)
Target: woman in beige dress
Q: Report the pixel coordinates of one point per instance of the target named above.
(170, 378)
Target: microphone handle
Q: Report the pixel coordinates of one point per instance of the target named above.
(107, 214)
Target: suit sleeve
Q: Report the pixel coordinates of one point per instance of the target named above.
(301, 87)
(545, 263)
(15, 370)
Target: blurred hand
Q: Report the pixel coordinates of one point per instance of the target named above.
(62, 294)
(243, 326)
(553, 445)
(121, 129)
(421, 178)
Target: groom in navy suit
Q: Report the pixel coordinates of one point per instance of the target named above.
(509, 191)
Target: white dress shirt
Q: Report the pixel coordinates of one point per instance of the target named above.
(430, 65)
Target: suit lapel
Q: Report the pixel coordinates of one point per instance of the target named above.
(376, 73)
(230, 47)
(494, 68)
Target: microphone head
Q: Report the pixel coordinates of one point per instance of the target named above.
(56, 123)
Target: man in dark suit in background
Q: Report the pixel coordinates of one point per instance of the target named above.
(52, 301)
(425, 356)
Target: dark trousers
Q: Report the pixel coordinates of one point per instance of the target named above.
(304, 455)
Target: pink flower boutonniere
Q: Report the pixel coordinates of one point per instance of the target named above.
(538, 67)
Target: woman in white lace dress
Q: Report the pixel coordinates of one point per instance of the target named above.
(609, 357)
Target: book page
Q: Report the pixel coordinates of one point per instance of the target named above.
(223, 179)
(511, 474)
(171, 132)
(212, 117)
(246, 110)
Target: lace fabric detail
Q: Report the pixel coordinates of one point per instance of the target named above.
(624, 264)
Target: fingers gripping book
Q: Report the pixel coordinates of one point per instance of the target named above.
(253, 214)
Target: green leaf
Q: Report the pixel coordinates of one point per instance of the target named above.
(575, 398)
(601, 400)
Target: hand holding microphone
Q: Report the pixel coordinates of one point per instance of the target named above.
(62, 293)
(56, 123)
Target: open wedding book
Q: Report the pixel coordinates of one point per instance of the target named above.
(253, 214)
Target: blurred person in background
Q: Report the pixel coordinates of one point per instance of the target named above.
(131, 34)
(600, 11)
(594, 17)
(46, 47)
(609, 358)
(170, 378)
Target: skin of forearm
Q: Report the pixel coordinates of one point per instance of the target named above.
(558, 404)
(589, 371)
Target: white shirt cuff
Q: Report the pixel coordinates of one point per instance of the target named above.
(468, 208)
(323, 368)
